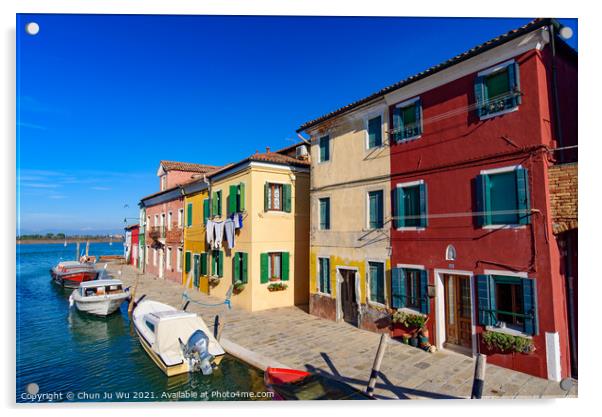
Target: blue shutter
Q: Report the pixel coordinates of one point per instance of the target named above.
(486, 299)
(425, 301)
(399, 207)
(523, 198)
(397, 125)
(397, 288)
(530, 305)
(373, 283)
(380, 197)
(514, 85)
(423, 205)
(480, 93)
(483, 200)
(418, 110)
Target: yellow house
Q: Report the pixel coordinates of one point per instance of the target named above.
(264, 201)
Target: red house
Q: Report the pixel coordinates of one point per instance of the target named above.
(473, 245)
(132, 241)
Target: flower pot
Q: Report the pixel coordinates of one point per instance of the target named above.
(398, 331)
(414, 341)
(423, 341)
(405, 340)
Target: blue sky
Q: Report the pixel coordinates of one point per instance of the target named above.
(102, 99)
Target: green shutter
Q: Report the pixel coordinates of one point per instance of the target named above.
(423, 205)
(418, 117)
(241, 199)
(204, 263)
(213, 263)
(287, 190)
(480, 96)
(266, 206)
(514, 84)
(530, 305)
(523, 198)
(372, 209)
(425, 301)
(399, 207)
(236, 267)
(397, 124)
(195, 272)
(264, 268)
(189, 214)
(397, 288)
(220, 263)
(483, 200)
(486, 299)
(324, 213)
(324, 148)
(206, 212)
(285, 266)
(245, 268)
(373, 282)
(232, 199)
(375, 132)
(187, 262)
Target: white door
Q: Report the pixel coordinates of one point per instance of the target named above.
(161, 263)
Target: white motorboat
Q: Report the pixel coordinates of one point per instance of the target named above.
(177, 341)
(100, 297)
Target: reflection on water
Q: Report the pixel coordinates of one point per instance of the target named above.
(64, 350)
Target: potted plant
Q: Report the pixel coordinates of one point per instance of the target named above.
(405, 339)
(277, 286)
(238, 287)
(274, 279)
(213, 281)
(499, 342)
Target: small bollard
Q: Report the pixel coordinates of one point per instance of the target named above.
(216, 326)
(378, 359)
(479, 377)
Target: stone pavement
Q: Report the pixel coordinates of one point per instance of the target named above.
(302, 341)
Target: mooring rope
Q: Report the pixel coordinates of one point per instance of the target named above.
(186, 297)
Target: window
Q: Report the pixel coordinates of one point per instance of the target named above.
(156, 220)
(409, 289)
(502, 197)
(277, 197)
(150, 325)
(375, 133)
(188, 214)
(179, 260)
(410, 205)
(163, 182)
(168, 260)
(217, 263)
(240, 268)
(324, 144)
(154, 257)
(508, 301)
(377, 282)
(324, 213)
(375, 209)
(497, 89)
(147, 250)
(169, 220)
(180, 217)
(324, 275)
(148, 221)
(206, 210)
(274, 266)
(216, 204)
(236, 198)
(407, 120)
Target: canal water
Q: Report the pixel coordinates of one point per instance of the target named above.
(72, 356)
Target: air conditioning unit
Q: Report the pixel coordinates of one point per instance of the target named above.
(301, 152)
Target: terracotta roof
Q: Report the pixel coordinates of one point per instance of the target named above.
(278, 158)
(186, 166)
(508, 36)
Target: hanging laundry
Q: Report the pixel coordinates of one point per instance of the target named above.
(229, 227)
(210, 227)
(218, 228)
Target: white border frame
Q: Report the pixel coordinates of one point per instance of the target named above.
(339, 301)
(502, 170)
(330, 139)
(440, 333)
(410, 228)
(367, 207)
(491, 70)
(368, 279)
(407, 103)
(324, 294)
(366, 119)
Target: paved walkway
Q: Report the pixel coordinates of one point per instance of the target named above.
(302, 341)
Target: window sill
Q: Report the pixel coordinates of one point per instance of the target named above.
(410, 229)
(373, 148)
(503, 226)
(410, 139)
(508, 331)
(499, 113)
(323, 294)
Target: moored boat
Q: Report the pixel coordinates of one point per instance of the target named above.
(177, 341)
(100, 297)
(293, 384)
(70, 274)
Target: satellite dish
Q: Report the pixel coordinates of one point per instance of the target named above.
(566, 32)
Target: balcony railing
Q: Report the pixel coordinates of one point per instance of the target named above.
(157, 232)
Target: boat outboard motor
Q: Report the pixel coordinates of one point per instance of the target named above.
(196, 351)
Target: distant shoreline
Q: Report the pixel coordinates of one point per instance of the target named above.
(82, 241)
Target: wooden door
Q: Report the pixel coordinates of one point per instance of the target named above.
(348, 296)
(458, 317)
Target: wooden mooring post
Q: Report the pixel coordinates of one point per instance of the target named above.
(378, 359)
(478, 382)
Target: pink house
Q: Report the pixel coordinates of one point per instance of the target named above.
(164, 219)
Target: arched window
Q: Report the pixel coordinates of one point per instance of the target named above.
(450, 253)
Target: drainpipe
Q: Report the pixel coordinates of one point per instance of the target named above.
(557, 117)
